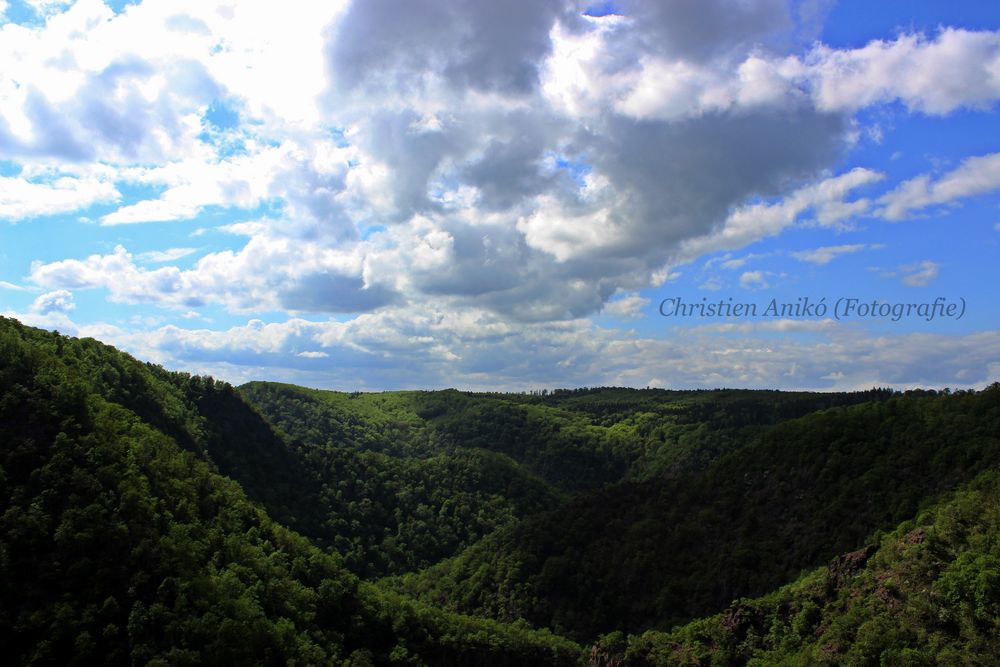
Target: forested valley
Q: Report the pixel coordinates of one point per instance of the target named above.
(152, 517)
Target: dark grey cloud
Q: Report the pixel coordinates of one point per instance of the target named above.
(412, 155)
(493, 267)
(670, 181)
(681, 178)
(319, 214)
(510, 168)
(499, 152)
(329, 292)
(487, 46)
(703, 29)
(486, 258)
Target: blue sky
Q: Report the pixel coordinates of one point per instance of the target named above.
(428, 194)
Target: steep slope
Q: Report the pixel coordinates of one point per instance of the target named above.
(119, 546)
(927, 594)
(662, 551)
(387, 493)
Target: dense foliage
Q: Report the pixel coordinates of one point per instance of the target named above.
(928, 595)
(158, 518)
(398, 481)
(385, 491)
(663, 550)
(118, 546)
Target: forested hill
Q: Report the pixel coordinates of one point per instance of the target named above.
(120, 542)
(927, 593)
(402, 480)
(158, 518)
(668, 549)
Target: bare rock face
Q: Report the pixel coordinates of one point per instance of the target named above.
(842, 568)
(603, 657)
(740, 618)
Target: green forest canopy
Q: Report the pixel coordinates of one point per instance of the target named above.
(151, 517)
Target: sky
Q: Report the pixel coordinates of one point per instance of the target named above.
(514, 195)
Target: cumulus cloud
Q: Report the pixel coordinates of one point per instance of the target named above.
(59, 301)
(508, 169)
(24, 197)
(957, 68)
(535, 161)
(954, 69)
(267, 273)
(491, 47)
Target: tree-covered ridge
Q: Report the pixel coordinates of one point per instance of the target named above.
(119, 546)
(927, 594)
(401, 480)
(584, 438)
(661, 551)
(387, 492)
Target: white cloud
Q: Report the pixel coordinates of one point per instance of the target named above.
(752, 222)
(827, 254)
(59, 301)
(975, 176)
(957, 68)
(920, 273)
(48, 7)
(753, 280)
(628, 306)
(734, 263)
(21, 198)
(574, 77)
(168, 255)
(565, 235)
(266, 274)
(242, 181)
